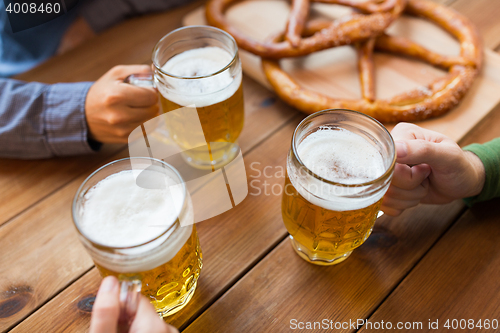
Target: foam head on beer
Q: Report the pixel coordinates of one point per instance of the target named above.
(200, 62)
(340, 156)
(119, 213)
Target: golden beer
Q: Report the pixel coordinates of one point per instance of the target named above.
(171, 285)
(135, 218)
(200, 67)
(325, 233)
(338, 169)
(222, 123)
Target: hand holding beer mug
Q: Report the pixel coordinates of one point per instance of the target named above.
(200, 66)
(339, 167)
(144, 236)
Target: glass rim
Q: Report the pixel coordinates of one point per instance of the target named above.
(157, 46)
(104, 246)
(386, 173)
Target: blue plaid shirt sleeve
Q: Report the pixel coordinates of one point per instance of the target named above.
(40, 121)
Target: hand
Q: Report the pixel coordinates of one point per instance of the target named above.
(107, 309)
(431, 168)
(78, 32)
(113, 108)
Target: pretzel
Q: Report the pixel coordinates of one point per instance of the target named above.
(341, 32)
(433, 100)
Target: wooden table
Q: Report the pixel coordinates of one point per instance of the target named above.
(431, 263)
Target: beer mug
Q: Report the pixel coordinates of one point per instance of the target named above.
(141, 232)
(199, 66)
(338, 169)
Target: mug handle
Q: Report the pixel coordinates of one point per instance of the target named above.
(141, 80)
(130, 291)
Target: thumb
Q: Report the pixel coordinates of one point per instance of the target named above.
(106, 308)
(413, 152)
(147, 320)
(122, 71)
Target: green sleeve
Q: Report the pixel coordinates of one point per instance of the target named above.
(489, 153)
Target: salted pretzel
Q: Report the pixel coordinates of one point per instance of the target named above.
(425, 102)
(358, 27)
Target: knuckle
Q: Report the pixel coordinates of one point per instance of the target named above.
(122, 133)
(424, 148)
(117, 69)
(112, 98)
(114, 118)
(404, 127)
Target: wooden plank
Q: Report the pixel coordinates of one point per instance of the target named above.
(43, 177)
(40, 255)
(46, 229)
(283, 287)
(334, 72)
(488, 129)
(457, 279)
(73, 304)
(247, 238)
(23, 183)
(484, 14)
(130, 42)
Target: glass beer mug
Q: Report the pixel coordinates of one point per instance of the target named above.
(199, 66)
(338, 169)
(140, 231)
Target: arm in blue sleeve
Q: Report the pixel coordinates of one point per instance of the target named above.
(102, 14)
(39, 120)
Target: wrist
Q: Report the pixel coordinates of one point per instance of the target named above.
(478, 174)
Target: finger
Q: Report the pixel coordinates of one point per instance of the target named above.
(140, 115)
(399, 204)
(408, 131)
(421, 151)
(134, 96)
(418, 193)
(408, 178)
(127, 118)
(147, 320)
(106, 308)
(122, 71)
(391, 211)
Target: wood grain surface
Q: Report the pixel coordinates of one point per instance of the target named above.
(251, 280)
(334, 72)
(85, 63)
(53, 232)
(457, 279)
(283, 287)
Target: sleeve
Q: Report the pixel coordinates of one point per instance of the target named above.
(102, 14)
(489, 154)
(40, 121)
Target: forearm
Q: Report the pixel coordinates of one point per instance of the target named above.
(41, 121)
(489, 154)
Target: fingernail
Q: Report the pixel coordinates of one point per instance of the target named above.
(401, 149)
(108, 284)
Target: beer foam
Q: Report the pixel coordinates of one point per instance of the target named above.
(119, 213)
(340, 156)
(199, 91)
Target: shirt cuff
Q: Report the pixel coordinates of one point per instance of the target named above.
(488, 154)
(64, 119)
